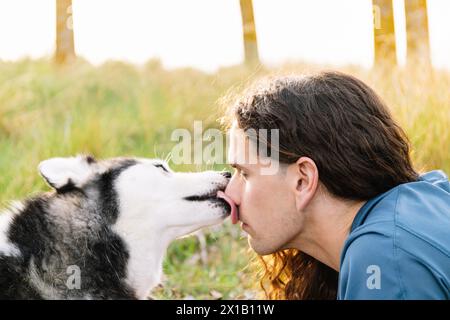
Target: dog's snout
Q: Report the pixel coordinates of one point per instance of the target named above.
(226, 174)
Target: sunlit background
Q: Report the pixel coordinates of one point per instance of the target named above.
(206, 34)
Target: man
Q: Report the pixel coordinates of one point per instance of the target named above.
(345, 215)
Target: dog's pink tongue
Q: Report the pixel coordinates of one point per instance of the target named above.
(234, 210)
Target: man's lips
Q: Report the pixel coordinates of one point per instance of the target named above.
(234, 210)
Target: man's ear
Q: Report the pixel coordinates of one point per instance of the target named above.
(306, 177)
(64, 172)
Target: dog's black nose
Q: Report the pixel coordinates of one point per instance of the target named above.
(226, 174)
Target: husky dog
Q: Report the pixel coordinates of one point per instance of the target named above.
(108, 222)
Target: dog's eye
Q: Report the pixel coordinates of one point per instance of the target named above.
(162, 167)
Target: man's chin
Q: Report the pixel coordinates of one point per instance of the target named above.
(259, 248)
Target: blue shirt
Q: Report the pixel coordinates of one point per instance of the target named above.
(399, 244)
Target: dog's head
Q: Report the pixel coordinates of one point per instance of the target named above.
(142, 201)
(143, 195)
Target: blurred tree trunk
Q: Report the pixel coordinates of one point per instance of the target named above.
(384, 31)
(249, 32)
(65, 51)
(417, 32)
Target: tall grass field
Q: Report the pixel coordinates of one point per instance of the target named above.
(118, 109)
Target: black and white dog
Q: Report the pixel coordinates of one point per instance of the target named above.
(110, 221)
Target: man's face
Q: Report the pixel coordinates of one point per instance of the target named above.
(266, 203)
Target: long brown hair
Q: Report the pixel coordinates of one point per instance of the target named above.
(343, 125)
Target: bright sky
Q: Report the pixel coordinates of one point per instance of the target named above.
(207, 33)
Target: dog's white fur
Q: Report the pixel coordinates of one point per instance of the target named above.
(6, 248)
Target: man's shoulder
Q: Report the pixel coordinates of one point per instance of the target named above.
(368, 265)
(410, 213)
(374, 241)
(417, 228)
(382, 264)
(403, 239)
(422, 214)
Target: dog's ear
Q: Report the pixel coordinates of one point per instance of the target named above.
(62, 173)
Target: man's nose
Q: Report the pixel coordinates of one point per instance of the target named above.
(232, 190)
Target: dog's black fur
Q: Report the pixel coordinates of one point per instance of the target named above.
(42, 242)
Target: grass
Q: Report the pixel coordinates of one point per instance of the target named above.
(119, 109)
